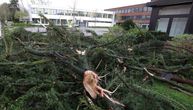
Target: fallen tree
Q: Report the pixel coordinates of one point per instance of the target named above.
(47, 71)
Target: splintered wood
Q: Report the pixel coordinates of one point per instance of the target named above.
(90, 83)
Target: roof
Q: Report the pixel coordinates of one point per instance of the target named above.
(123, 7)
(157, 3)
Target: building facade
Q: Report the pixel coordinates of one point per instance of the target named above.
(140, 14)
(172, 16)
(68, 17)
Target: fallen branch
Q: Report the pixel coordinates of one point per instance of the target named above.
(167, 81)
(162, 72)
(25, 63)
(178, 89)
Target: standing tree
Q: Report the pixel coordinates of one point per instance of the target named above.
(22, 13)
(13, 6)
(128, 24)
(4, 15)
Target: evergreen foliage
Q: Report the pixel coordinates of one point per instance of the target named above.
(45, 72)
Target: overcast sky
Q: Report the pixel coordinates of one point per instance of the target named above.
(98, 4)
(92, 4)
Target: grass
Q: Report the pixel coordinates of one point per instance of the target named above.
(180, 97)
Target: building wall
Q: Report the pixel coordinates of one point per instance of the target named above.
(140, 14)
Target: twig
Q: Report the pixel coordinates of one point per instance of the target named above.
(185, 92)
(98, 64)
(116, 88)
(114, 101)
(103, 76)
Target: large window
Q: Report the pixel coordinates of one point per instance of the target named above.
(162, 24)
(178, 26)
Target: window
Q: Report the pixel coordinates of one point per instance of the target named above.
(140, 9)
(75, 13)
(115, 11)
(136, 9)
(123, 17)
(60, 12)
(49, 11)
(105, 15)
(148, 17)
(92, 14)
(178, 26)
(43, 21)
(85, 14)
(122, 11)
(125, 11)
(98, 15)
(110, 16)
(162, 24)
(138, 17)
(40, 10)
(45, 11)
(35, 20)
(132, 9)
(128, 10)
(145, 9)
(53, 21)
(33, 11)
(81, 13)
(57, 21)
(63, 21)
(68, 13)
(144, 26)
(119, 11)
(53, 12)
(143, 17)
(149, 9)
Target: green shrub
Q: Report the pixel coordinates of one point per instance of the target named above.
(128, 24)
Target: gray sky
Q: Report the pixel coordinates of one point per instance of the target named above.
(92, 4)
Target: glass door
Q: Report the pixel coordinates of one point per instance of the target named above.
(178, 26)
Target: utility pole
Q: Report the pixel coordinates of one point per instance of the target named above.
(73, 14)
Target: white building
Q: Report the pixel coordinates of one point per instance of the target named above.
(68, 17)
